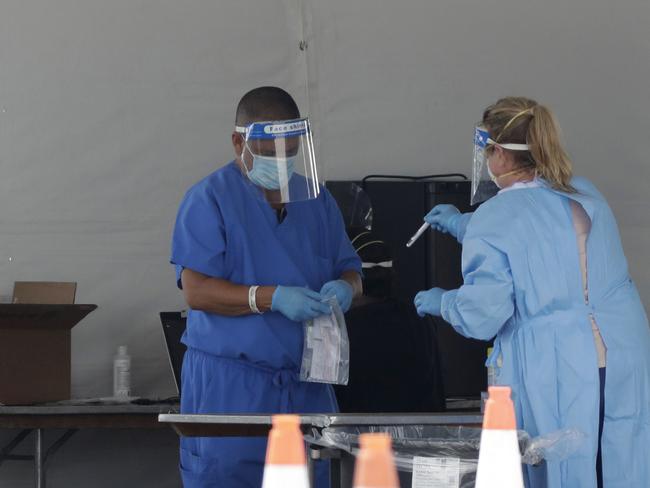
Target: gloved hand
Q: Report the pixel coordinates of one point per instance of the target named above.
(444, 218)
(342, 290)
(429, 301)
(298, 303)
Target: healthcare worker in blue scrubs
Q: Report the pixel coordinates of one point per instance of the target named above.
(258, 245)
(544, 272)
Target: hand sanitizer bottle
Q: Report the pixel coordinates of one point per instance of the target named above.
(122, 373)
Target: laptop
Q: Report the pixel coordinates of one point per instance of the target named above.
(173, 325)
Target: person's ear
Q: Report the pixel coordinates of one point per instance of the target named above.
(508, 160)
(237, 143)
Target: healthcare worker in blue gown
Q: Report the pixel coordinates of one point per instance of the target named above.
(257, 246)
(544, 271)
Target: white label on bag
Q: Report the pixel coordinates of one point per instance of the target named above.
(436, 472)
(326, 349)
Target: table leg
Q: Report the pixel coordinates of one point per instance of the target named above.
(346, 469)
(39, 459)
(310, 466)
(335, 473)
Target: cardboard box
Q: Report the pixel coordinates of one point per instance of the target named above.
(44, 292)
(35, 344)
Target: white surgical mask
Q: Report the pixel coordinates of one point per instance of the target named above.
(495, 179)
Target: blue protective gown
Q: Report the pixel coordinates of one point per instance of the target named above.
(523, 283)
(250, 363)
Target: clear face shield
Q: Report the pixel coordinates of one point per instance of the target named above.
(484, 183)
(278, 158)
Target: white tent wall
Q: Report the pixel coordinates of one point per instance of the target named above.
(109, 111)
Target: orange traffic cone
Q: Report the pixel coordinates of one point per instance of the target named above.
(499, 460)
(375, 467)
(286, 465)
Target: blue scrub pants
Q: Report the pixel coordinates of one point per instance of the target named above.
(212, 384)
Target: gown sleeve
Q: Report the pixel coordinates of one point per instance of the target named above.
(485, 301)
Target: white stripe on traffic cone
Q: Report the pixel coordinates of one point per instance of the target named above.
(499, 461)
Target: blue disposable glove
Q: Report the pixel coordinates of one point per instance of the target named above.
(298, 304)
(341, 289)
(444, 218)
(429, 301)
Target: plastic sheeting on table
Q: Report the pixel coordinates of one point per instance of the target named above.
(448, 442)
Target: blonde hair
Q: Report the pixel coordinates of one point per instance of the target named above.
(519, 120)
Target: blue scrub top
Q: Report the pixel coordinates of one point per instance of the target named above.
(224, 230)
